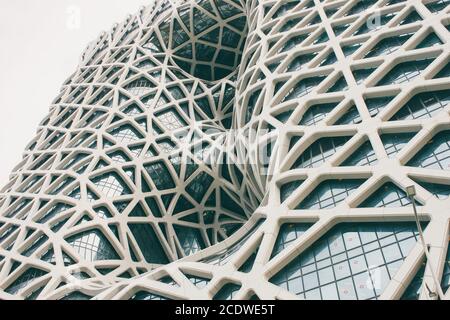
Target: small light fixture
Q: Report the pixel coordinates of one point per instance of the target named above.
(411, 191)
(433, 295)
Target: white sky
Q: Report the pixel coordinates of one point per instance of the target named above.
(41, 42)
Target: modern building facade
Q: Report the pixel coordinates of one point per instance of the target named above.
(242, 149)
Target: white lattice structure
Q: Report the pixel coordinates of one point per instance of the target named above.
(220, 149)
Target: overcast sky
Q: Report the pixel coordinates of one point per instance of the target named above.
(41, 42)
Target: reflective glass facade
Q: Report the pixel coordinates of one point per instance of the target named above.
(352, 261)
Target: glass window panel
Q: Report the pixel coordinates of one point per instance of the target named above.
(329, 194)
(405, 72)
(92, 246)
(435, 155)
(423, 105)
(355, 273)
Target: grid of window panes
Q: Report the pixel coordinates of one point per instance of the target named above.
(352, 261)
(118, 157)
(92, 246)
(111, 185)
(171, 120)
(289, 232)
(388, 45)
(160, 175)
(199, 186)
(126, 134)
(394, 143)
(293, 41)
(330, 193)
(363, 156)
(319, 152)
(436, 154)
(190, 239)
(287, 189)
(222, 36)
(375, 105)
(140, 85)
(300, 61)
(388, 196)
(440, 191)
(166, 145)
(424, 105)
(405, 72)
(316, 113)
(350, 117)
(303, 87)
